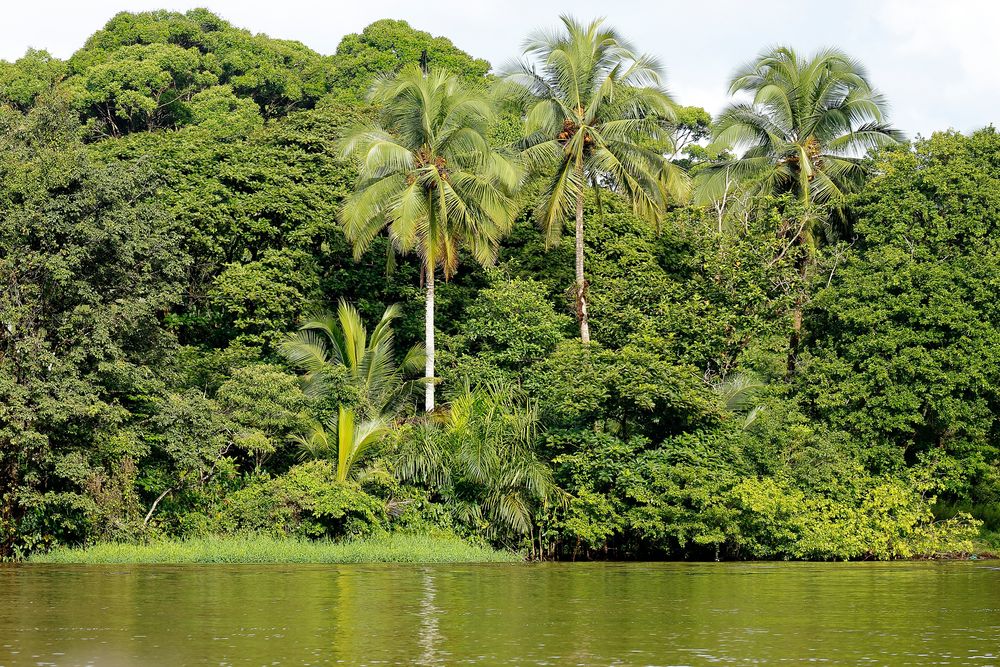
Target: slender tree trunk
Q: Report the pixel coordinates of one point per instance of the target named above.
(796, 337)
(152, 508)
(429, 340)
(581, 282)
(802, 264)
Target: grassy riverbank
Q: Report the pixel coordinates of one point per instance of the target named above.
(987, 545)
(263, 549)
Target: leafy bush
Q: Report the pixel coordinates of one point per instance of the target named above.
(305, 502)
(887, 519)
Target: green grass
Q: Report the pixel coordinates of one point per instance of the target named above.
(394, 548)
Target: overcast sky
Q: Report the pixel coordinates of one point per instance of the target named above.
(936, 61)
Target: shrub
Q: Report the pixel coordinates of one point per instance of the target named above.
(307, 501)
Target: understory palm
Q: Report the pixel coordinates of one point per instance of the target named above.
(595, 115)
(480, 456)
(427, 174)
(342, 438)
(345, 365)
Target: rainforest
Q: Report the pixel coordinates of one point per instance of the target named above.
(259, 298)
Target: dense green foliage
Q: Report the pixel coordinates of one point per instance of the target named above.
(386, 46)
(172, 211)
(904, 350)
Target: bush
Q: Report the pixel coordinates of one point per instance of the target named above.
(887, 519)
(305, 502)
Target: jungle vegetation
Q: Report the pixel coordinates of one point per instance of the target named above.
(232, 266)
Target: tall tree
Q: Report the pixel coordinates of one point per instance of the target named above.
(595, 114)
(427, 174)
(805, 131)
(387, 45)
(88, 265)
(924, 382)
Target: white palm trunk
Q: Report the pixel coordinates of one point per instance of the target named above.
(429, 341)
(581, 280)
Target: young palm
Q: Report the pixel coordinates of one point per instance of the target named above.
(332, 349)
(805, 131)
(481, 457)
(342, 438)
(595, 116)
(339, 347)
(428, 175)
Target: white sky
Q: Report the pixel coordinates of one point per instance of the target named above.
(935, 60)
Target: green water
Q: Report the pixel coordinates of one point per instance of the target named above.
(549, 614)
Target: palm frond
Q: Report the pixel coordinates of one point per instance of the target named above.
(432, 131)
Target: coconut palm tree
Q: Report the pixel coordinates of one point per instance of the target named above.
(805, 131)
(334, 350)
(595, 115)
(427, 174)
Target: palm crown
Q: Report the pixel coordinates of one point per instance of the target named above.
(335, 349)
(484, 459)
(596, 112)
(805, 130)
(427, 172)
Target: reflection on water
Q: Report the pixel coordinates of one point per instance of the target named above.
(554, 614)
(429, 634)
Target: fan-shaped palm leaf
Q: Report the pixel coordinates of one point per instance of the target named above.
(343, 438)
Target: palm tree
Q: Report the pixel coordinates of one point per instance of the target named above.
(427, 173)
(595, 115)
(805, 131)
(353, 439)
(334, 350)
(338, 347)
(480, 455)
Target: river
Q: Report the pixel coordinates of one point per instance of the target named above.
(530, 614)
